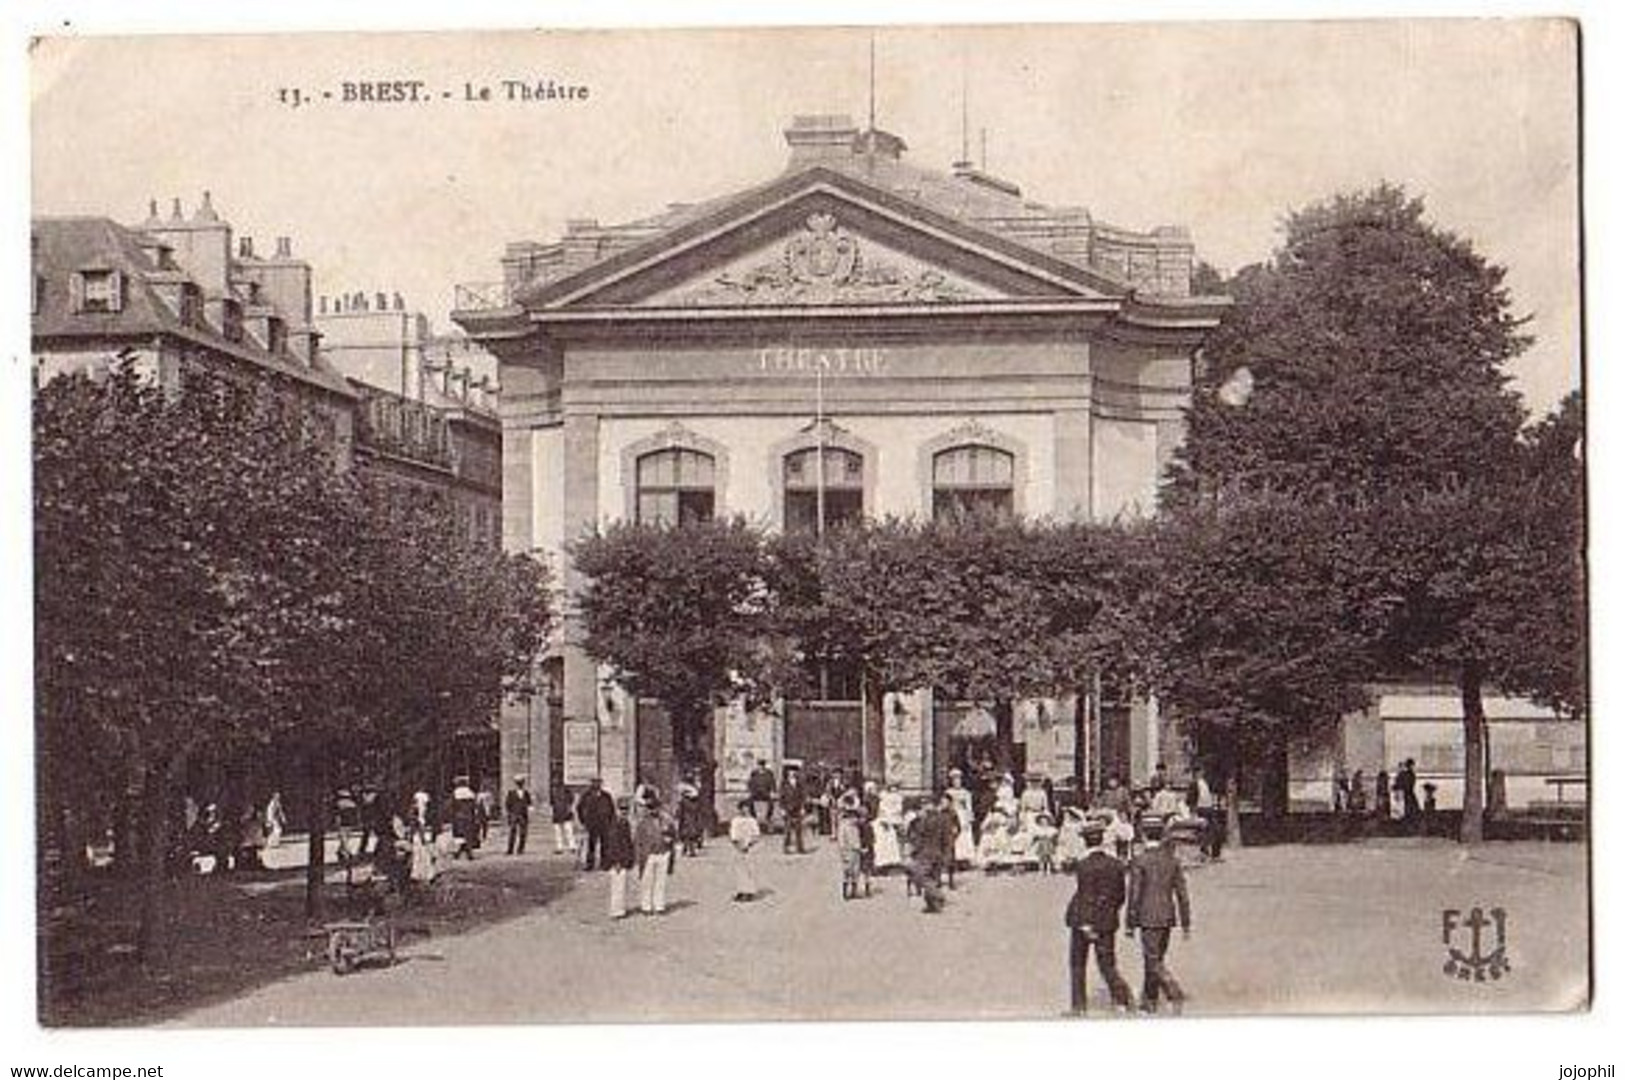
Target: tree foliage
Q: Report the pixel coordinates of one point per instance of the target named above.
(209, 576)
(1377, 346)
(1362, 381)
(682, 614)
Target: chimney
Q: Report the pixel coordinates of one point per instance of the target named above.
(152, 215)
(877, 143)
(581, 236)
(819, 138)
(284, 283)
(245, 247)
(964, 170)
(201, 247)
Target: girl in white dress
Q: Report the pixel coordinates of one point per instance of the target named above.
(993, 853)
(889, 830)
(960, 796)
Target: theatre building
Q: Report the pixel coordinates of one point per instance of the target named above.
(924, 339)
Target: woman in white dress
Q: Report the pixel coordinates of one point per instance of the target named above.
(964, 811)
(889, 830)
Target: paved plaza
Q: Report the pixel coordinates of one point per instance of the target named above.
(1334, 928)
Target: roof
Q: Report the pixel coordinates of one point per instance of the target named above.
(967, 196)
(66, 245)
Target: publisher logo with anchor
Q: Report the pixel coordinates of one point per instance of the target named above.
(1481, 959)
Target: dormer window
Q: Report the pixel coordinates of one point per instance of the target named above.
(276, 336)
(97, 292)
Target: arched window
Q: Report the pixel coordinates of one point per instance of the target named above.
(676, 487)
(842, 484)
(972, 479)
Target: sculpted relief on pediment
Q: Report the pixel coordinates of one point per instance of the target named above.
(823, 263)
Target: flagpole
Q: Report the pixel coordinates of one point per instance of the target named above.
(818, 425)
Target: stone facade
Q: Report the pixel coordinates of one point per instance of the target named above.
(931, 322)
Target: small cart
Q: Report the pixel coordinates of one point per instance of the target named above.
(354, 943)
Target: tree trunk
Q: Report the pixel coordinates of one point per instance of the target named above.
(152, 853)
(873, 724)
(1275, 798)
(126, 833)
(1472, 717)
(1004, 726)
(317, 796)
(1232, 810)
(1230, 763)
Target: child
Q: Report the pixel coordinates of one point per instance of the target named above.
(849, 841)
(690, 820)
(993, 853)
(743, 833)
(866, 846)
(1042, 847)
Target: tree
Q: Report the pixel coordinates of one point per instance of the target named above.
(682, 614)
(186, 544)
(210, 578)
(1491, 577)
(440, 625)
(1374, 346)
(1261, 626)
(983, 609)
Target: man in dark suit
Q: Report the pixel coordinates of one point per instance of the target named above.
(516, 808)
(1092, 918)
(1156, 900)
(595, 809)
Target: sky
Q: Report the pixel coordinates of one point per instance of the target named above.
(1220, 127)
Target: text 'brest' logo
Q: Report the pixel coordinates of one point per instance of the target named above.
(1475, 964)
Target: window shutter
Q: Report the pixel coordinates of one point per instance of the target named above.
(115, 297)
(76, 293)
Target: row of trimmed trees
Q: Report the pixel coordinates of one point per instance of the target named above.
(1359, 495)
(210, 581)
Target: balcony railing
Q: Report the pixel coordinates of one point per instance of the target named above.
(481, 296)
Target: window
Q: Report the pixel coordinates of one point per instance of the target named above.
(833, 680)
(975, 479)
(98, 292)
(843, 489)
(676, 487)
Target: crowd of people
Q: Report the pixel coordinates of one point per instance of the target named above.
(1387, 801)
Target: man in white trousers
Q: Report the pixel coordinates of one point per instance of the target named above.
(620, 858)
(651, 843)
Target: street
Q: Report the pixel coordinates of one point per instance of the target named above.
(1325, 929)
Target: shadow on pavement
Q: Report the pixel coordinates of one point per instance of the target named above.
(224, 935)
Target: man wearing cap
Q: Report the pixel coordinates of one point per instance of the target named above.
(620, 856)
(1156, 900)
(516, 808)
(596, 812)
(1092, 917)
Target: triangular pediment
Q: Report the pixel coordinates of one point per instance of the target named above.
(822, 239)
(825, 262)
